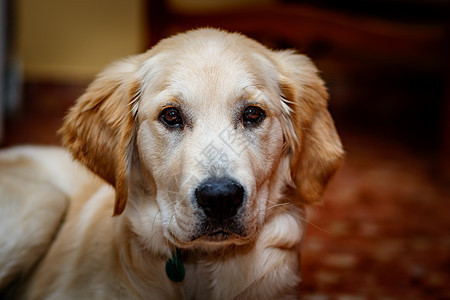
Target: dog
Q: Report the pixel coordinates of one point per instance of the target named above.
(194, 163)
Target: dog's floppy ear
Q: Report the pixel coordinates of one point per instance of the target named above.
(99, 128)
(313, 147)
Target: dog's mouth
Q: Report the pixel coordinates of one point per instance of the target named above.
(221, 238)
(212, 234)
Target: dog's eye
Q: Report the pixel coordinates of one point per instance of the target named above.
(253, 115)
(171, 117)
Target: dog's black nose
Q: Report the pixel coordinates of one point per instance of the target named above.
(220, 199)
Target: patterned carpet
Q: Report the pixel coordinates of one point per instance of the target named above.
(383, 231)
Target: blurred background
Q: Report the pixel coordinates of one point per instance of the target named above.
(383, 231)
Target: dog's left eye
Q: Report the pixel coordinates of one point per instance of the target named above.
(253, 115)
(171, 117)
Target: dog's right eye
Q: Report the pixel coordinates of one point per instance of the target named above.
(171, 117)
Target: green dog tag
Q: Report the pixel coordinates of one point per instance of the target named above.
(175, 268)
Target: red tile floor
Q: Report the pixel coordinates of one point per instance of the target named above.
(383, 231)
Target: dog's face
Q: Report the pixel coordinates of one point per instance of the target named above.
(207, 132)
(210, 137)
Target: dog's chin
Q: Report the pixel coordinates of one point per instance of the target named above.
(221, 237)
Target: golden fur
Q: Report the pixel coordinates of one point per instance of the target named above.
(115, 130)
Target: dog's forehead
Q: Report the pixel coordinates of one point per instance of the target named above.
(201, 71)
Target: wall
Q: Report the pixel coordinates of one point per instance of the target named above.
(74, 39)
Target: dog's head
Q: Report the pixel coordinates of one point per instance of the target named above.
(206, 132)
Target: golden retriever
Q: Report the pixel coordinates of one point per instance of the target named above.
(210, 145)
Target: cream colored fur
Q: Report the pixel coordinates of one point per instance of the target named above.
(59, 239)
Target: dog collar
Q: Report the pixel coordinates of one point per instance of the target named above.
(175, 268)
